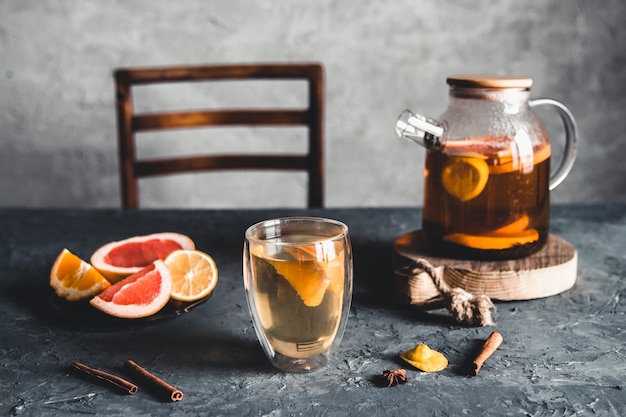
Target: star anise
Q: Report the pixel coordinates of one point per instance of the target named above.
(393, 377)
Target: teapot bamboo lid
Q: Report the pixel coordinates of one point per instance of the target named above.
(489, 81)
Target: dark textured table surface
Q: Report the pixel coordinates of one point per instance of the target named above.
(562, 356)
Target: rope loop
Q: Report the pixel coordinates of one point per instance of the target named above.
(464, 306)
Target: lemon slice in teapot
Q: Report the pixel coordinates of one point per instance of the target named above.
(465, 177)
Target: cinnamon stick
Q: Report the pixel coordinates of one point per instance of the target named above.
(491, 344)
(159, 386)
(116, 381)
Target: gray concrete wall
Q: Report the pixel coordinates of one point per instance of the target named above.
(57, 122)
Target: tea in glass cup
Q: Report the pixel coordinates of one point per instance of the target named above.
(298, 280)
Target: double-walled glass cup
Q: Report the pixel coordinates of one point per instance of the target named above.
(298, 280)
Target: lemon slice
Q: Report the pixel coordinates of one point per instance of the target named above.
(465, 177)
(194, 274)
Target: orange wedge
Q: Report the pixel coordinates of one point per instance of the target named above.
(465, 177)
(194, 274)
(74, 279)
(312, 272)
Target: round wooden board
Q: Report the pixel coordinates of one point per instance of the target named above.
(550, 271)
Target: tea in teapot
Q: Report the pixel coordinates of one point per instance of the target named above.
(487, 178)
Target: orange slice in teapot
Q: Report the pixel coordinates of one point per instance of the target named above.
(493, 241)
(465, 177)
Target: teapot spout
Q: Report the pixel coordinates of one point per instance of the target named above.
(422, 130)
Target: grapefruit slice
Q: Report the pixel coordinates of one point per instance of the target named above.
(139, 295)
(74, 279)
(117, 260)
(194, 274)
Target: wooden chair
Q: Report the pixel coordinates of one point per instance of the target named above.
(129, 123)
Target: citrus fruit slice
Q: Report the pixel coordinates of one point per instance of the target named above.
(117, 260)
(140, 295)
(424, 358)
(493, 240)
(465, 177)
(518, 225)
(194, 274)
(309, 275)
(74, 279)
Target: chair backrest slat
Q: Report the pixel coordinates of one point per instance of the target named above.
(188, 119)
(220, 162)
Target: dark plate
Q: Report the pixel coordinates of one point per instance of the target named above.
(81, 312)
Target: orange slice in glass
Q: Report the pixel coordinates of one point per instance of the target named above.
(312, 271)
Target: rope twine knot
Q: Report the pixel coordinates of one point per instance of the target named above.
(464, 306)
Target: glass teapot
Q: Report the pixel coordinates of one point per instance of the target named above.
(487, 178)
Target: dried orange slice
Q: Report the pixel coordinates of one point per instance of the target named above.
(194, 274)
(74, 279)
(465, 177)
(424, 358)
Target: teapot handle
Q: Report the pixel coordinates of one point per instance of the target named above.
(571, 139)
